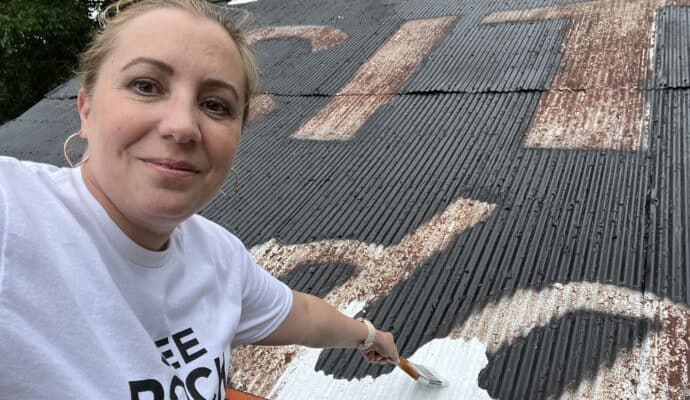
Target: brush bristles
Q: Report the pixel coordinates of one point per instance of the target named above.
(430, 377)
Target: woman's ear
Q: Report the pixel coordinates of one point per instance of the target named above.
(84, 108)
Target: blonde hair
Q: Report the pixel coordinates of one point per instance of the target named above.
(117, 14)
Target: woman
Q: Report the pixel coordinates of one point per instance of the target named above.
(110, 285)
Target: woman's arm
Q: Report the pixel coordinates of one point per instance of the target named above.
(314, 323)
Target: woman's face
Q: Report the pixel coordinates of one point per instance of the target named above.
(164, 119)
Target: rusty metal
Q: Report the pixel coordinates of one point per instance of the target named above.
(260, 105)
(376, 81)
(595, 101)
(379, 269)
(657, 368)
(320, 37)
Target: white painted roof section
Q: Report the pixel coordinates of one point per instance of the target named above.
(457, 360)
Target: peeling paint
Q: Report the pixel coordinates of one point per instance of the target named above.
(612, 119)
(320, 37)
(657, 368)
(260, 105)
(595, 101)
(256, 369)
(376, 81)
(616, 382)
(378, 268)
(660, 364)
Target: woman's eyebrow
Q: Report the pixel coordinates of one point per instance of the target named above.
(168, 69)
(220, 84)
(156, 63)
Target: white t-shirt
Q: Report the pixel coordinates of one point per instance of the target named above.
(86, 313)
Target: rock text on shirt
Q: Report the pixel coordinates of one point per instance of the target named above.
(179, 349)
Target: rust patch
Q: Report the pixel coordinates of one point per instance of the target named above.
(257, 369)
(612, 119)
(658, 368)
(616, 382)
(376, 81)
(595, 102)
(320, 37)
(378, 268)
(679, 349)
(259, 106)
(668, 365)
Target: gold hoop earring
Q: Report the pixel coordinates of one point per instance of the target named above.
(235, 184)
(64, 150)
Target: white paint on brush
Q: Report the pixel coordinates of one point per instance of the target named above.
(445, 356)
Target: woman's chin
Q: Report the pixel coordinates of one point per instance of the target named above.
(174, 208)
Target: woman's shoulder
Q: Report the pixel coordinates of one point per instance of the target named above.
(10, 167)
(205, 239)
(22, 175)
(198, 227)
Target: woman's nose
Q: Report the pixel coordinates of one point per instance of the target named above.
(181, 122)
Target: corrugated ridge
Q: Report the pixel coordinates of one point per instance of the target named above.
(671, 62)
(327, 71)
(256, 145)
(564, 215)
(667, 272)
(365, 178)
(420, 326)
(502, 57)
(588, 230)
(445, 68)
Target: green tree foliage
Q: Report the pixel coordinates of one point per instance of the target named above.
(39, 44)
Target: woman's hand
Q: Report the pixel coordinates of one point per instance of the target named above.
(383, 351)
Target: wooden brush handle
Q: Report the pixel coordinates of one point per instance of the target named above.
(409, 370)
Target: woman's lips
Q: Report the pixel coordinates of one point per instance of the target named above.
(172, 168)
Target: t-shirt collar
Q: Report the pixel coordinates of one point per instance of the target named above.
(124, 245)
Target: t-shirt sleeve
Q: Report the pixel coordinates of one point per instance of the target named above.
(266, 302)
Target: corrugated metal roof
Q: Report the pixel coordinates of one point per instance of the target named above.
(564, 257)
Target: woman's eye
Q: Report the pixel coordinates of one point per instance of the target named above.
(145, 87)
(216, 107)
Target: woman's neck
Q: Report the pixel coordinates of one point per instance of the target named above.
(147, 238)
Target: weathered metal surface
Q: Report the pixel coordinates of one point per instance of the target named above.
(320, 37)
(612, 224)
(672, 51)
(656, 366)
(509, 327)
(595, 101)
(378, 269)
(260, 105)
(375, 82)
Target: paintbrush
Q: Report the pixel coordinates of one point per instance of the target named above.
(422, 374)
